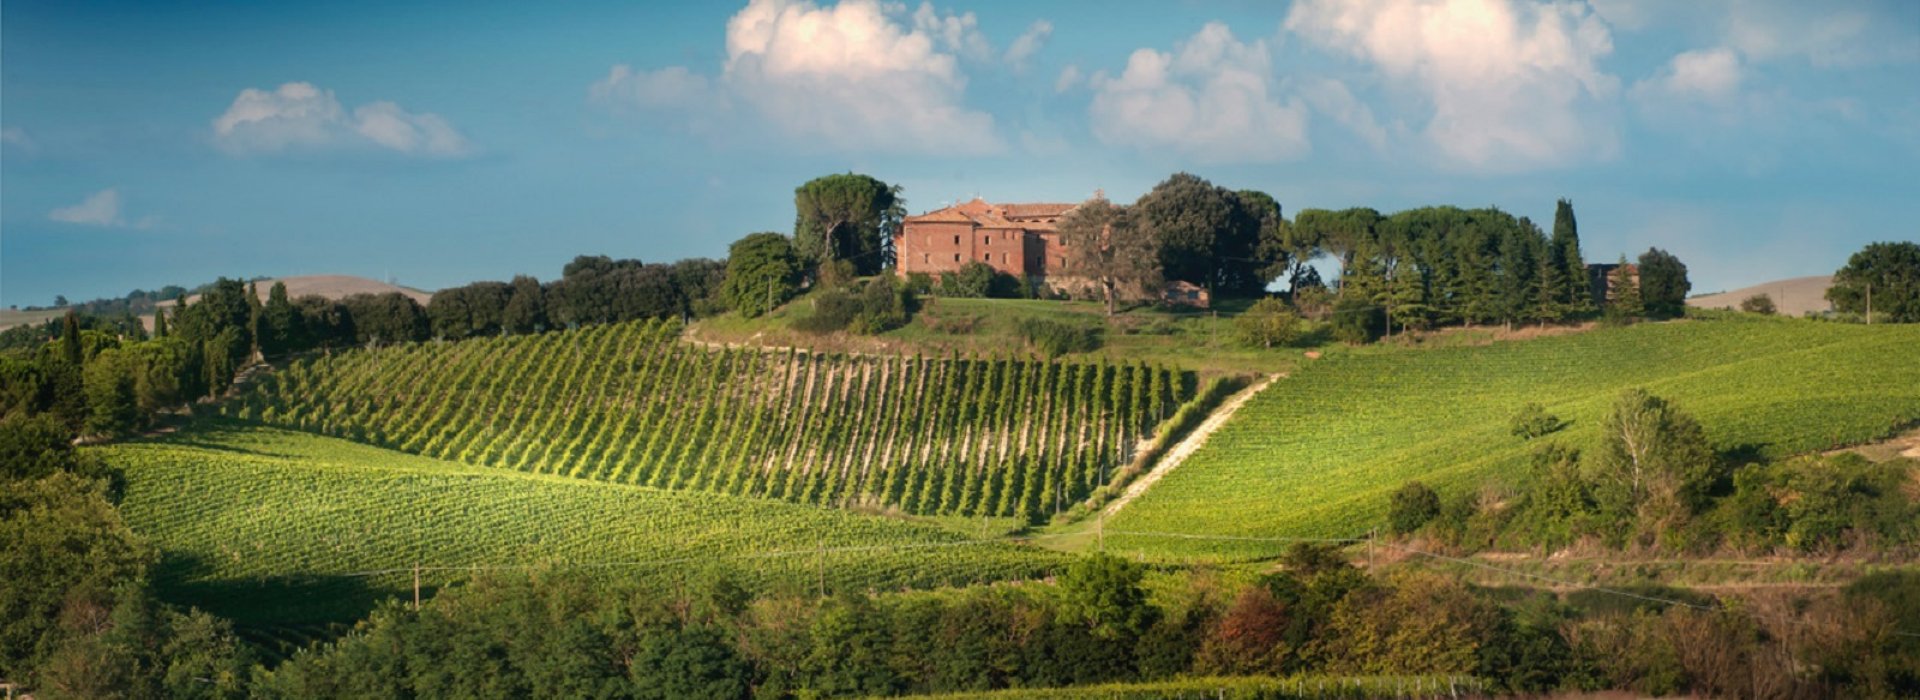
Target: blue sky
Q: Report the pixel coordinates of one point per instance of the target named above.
(437, 143)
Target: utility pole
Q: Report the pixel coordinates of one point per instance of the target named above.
(1869, 303)
(416, 586)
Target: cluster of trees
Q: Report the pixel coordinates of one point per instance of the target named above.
(1186, 229)
(1883, 277)
(555, 634)
(1655, 482)
(81, 618)
(592, 290)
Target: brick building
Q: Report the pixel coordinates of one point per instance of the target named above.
(1019, 239)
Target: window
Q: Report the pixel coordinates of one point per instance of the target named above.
(1003, 258)
(986, 239)
(956, 257)
(924, 258)
(956, 240)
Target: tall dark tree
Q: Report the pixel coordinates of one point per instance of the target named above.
(1564, 252)
(474, 309)
(1272, 251)
(1106, 246)
(1663, 284)
(698, 281)
(159, 323)
(1892, 271)
(1519, 272)
(70, 348)
(279, 323)
(763, 272)
(526, 310)
(849, 217)
(386, 318)
(1205, 234)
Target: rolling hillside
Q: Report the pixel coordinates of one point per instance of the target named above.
(628, 403)
(1317, 454)
(1792, 297)
(274, 527)
(329, 286)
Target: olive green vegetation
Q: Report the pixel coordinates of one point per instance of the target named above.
(1319, 453)
(272, 527)
(1248, 688)
(1206, 341)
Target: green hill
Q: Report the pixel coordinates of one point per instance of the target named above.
(1317, 453)
(272, 527)
(630, 404)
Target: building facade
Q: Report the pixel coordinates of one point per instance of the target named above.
(1018, 239)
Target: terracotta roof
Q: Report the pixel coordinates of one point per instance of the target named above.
(1035, 209)
(942, 216)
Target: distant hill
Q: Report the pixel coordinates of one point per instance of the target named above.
(1793, 297)
(329, 286)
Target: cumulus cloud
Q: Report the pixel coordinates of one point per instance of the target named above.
(301, 116)
(1711, 75)
(17, 137)
(856, 76)
(1069, 77)
(1333, 99)
(1028, 44)
(1823, 35)
(98, 209)
(1511, 84)
(1211, 99)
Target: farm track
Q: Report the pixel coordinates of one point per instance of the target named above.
(1188, 445)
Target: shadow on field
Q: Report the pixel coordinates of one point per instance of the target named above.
(279, 601)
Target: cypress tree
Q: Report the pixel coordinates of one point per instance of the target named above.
(1626, 301)
(1566, 251)
(70, 340)
(159, 322)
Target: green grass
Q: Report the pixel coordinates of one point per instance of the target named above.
(1317, 454)
(277, 528)
(1193, 340)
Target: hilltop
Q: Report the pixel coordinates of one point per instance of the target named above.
(1795, 296)
(329, 286)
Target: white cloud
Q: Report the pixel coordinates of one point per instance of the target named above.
(855, 76)
(1211, 99)
(1511, 84)
(1711, 75)
(98, 209)
(1825, 36)
(301, 116)
(1069, 77)
(1028, 44)
(1331, 98)
(16, 137)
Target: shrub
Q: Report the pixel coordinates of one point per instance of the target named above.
(1758, 304)
(1268, 323)
(980, 280)
(1355, 322)
(880, 305)
(1534, 421)
(1413, 506)
(1053, 338)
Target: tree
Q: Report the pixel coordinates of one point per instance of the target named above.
(1626, 303)
(1103, 593)
(763, 272)
(1564, 250)
(280, 322)
(1519, 281)
(1758, 304)
(1654, 463)
(526, 310)
(70, 349)
(1205, 235)
(159, 323)
(63, 550)
(1105, 246)
(110, 399)
(475, 309)
(1891, 271)
(847, 217)
(1267, 323)
(386, 318)
(1663, 284)
(699, 281)
(1413, 505)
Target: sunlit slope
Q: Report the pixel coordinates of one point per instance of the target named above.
(274, 526)
(630, 404)
(1317, 454)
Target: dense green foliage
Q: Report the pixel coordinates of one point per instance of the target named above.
(1107, 246)
(271, 526)
(865, 307)
(1319, 452)
(1663, 284)
(628, 403)
(763, 272)
(847, 217)
(1205, 234)
(1053, 338)
(1892, 271)
(1269, 322)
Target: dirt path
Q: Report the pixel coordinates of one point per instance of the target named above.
(1187, 446)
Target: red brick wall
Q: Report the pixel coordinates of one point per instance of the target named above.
(935, 247)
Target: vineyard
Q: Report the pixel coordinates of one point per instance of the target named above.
(629, 404)
(272, 527)
(1317, 454)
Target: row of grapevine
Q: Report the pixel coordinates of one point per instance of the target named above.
(628, 403)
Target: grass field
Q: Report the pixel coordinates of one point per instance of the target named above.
(273, 527)
(1318, 453)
